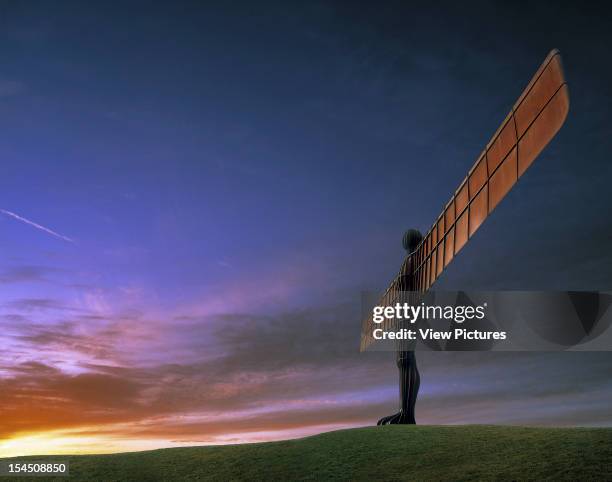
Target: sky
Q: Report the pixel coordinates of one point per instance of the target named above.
(212, 185)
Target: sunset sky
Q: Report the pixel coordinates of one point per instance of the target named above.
(218, 184)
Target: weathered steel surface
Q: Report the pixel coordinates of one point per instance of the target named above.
(533, 121)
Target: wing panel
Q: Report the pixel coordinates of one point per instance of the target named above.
(440, 258)
(441, 228)
(478, 177)
(461, 231)
(449, 215)
(543, 129)
(502, 145)
(449, 243)
(432, 277)
(462, 198)
(478, 210)
(543, 89)
(502, 180)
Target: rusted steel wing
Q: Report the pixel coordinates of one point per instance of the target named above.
(535, 118)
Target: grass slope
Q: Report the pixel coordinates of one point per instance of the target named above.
(373, 453)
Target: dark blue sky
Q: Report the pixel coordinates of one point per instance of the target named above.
(228, 133)
(237, 160)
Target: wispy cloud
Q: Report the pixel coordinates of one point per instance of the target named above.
(25, 274)
(37, 226)
(271, 377)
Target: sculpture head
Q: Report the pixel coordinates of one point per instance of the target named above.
(411, 240)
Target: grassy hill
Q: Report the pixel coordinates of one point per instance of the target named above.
(373, 453)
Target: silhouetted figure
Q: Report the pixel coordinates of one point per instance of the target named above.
(533, 121)
(409, 379)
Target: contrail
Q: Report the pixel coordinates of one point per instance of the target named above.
(37, 226)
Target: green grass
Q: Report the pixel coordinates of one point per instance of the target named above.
(374, 453)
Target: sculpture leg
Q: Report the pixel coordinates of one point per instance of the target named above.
(409, 383)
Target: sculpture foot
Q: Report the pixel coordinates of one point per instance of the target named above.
(399, 418)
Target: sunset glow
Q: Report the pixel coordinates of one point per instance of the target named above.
(193, 199)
